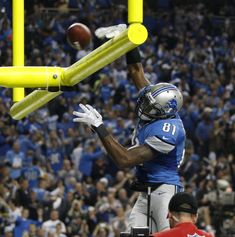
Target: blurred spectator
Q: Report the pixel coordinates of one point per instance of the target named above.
(204, 132)
(32, 173)
(66, 173)
(76, 154)
(23, 223)
(119, 223)
(64, 204)
(92, 220)
(100, 168)
(4, 172)
(101, 230)
(89, 155)
(107, 206)
(191, 163)
(22, 195)
(50, 226)
(16, 158)
(55, 153)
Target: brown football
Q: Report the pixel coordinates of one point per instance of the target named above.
(78, 35)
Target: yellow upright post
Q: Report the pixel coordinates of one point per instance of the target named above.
(135, 11)
(18, 42)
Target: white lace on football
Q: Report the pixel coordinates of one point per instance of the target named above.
(110, 31)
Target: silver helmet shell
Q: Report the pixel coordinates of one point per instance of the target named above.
(159, 101)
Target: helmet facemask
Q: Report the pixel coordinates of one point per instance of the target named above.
(159, 101)
(147, 108)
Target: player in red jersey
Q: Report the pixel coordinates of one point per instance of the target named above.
(182, 217)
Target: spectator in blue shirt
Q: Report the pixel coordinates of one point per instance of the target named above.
(23, 223)
(16, 158)
(89, 155)
(203, 132)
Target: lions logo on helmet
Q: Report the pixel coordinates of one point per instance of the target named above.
(159, 101)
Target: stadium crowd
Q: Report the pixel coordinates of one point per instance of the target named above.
(55, 181)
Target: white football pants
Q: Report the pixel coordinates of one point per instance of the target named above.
(159, 201)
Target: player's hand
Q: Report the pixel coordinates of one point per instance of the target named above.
(90, 116)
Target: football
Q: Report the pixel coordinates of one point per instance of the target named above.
(78, 36)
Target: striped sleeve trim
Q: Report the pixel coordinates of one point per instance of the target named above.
(159, 145)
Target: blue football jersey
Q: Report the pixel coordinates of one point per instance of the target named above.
(167, 138)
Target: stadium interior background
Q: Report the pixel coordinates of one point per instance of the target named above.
(47, 162)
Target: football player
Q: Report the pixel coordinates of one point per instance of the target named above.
(158, 150)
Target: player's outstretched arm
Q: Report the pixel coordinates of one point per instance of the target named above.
(133, 59)
(135, 69)
(122, 156)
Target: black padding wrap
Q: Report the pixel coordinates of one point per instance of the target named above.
(133, 56)
(101, 131)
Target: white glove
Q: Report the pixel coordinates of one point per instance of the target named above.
(110, 31)
(90, 116)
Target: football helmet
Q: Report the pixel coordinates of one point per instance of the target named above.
(159, 101)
